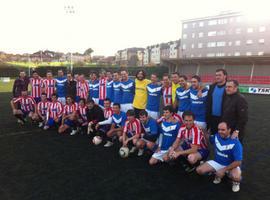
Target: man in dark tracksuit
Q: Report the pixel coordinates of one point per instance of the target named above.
(215, 100)
(20, 84)
(70, 86)
(235, 110)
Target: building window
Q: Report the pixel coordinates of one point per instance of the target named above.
(221, 32)
(212, 22)
(193, 35)
(192, 46)
(238, 30)
(210, 55)
(194, 24)
(212, 33)
(220, 54)
(184, 46)
(260, 53)
(262, 29)
(184, 36)
(185, 26)
(237, 53)
(250, 30)
(249, 53)
(201, 24)
(261, 41)
(200, 45)
(200, 34)
(249, 42)
(211, 44)
(237, 43)
(222, 21)
(221, 44)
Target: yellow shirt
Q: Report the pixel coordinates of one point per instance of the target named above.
(140, 98)
(174, 88)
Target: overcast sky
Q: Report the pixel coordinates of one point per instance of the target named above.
(104, 25)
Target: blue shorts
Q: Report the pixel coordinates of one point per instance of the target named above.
(26, 113)
(51, 122)
(37, 99)
(69, 122)
(105, 128)
(204, 152)
(77, 99)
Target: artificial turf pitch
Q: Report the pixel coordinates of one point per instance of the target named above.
(37, 164)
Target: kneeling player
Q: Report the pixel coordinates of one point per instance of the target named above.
(68, 117)
(131, 132)
(169, 129)
(193, 145)
(150, 135)
(42, 108)
(54, 113)
(228, 157)
(27, 107)
(82, 122)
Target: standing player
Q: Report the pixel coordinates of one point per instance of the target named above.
(71, 86)
(150, 135)
(228, 157)
(118, 122)
(198, 97)
(169, 129)
(117, 92)
(166, 91)
(68, 117)
(94, 87)
(109, 86)
(102, 88)
(175, 78)
(48, 85)
(131, 132)
(61, 86)
(154, 91)
(83, 87)
(128, 87)
(35, 83)
(183, 96)
(27, 107)
(42, 108)
(190, 143)
(54, 113)
(78, 90)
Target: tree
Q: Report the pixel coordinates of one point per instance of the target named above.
(87, 53)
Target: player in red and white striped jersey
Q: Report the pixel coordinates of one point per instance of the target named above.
(83, 88)
(27, 107)
(69, 116)
(54, 113)
(82, 122)
(190, 142)
(36, 83)
(132, 131)
(102, 88)
(48, 85)
(167, 96)
(41, 111)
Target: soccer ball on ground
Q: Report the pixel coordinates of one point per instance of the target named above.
(97, 140)
(124, 152)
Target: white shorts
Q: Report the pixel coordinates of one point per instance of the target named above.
(202, 125)
(159, 155)
(62, 100)
(153, 114)
(180, 113)
(96, 100)
(217, 166)
(125, 107)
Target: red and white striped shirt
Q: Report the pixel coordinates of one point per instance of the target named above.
(36, 84)
(42, 107)
(55, 109)
(69, 109)
(133, 127)
(78, 88)
(49, 85)
(167, 96)
(108, 113)
(102, 88)
(27, 103)
(192, 136)
(82, 110)
(83, 89)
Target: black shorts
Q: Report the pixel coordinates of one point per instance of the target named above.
(150, 138)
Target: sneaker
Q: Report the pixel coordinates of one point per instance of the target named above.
(73, 132)
(235, 186)
(40, 124)
(217, 180)
(108, 144)
(133, 149)
(140, 152)
(46, 127)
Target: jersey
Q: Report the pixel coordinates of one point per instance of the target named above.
(77, 88)
(42, 107)
(69, 109)
(169, 131)
(83, 89)
(119, 119)
(55, 109)
(132, 127)
(94, 89)
(193, 136)
(227, 150)
(49, 86)
(117, 92)
(153, 97)
(198, 104)
(27, 103)
(109, 90)
(150, 127)
(36, 84)
(102, 88)
(128, 88)
(174, 88)
(82, 110)
(183, 97)
(108, 112)
(61, 86)
(175, 116)
(140, 97)
(167, 96)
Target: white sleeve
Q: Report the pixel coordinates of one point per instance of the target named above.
(160, 140)
(107, 121)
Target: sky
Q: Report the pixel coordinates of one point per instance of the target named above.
(104, 25)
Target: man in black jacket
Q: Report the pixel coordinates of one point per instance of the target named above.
(215, 99)
(235, 110)
(70, 86)
(94, 115)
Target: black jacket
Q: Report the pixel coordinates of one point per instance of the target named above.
(235, 112)
(95, 114)
(71, 88)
